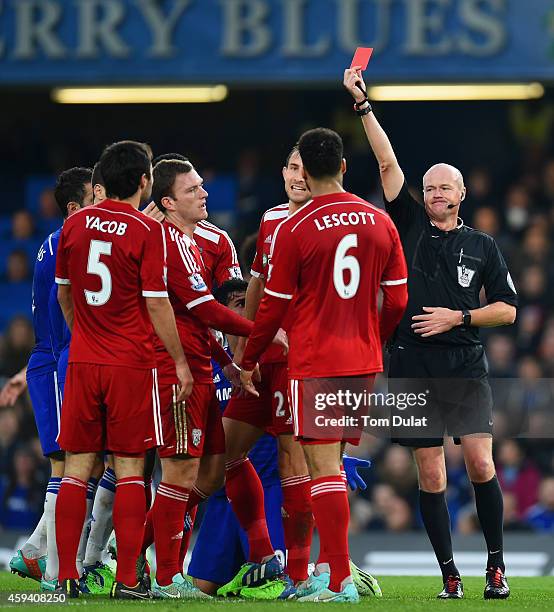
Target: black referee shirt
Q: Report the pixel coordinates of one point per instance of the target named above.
(446, 269)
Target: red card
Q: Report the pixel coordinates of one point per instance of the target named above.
(361, 57)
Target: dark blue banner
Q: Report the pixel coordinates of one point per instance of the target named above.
(249, 41)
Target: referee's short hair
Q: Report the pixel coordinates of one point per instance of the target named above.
(321, 150)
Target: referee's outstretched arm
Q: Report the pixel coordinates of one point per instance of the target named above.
(392, 177)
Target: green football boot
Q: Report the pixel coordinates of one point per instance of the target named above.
(98, 579)
(280, 588)
(365, 583)
(252, 575)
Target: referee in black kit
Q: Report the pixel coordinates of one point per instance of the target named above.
(438, 338)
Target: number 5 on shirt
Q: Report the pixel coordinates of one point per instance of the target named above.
(95, 266)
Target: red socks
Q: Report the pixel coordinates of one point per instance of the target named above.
(246, 495)
(148, 538)
(128, 521)
(168, 513)
(196, 496)
(71, 507)
(332, 515)
(298, 522)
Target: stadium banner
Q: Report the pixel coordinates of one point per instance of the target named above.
(410, 554)
(272, 41)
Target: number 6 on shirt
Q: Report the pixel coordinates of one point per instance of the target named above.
(95, 266)
(346, 262)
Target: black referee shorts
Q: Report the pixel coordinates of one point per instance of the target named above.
(453, 386)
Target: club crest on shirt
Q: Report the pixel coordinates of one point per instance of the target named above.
(197, 282)
(196, 436)
(465, 276)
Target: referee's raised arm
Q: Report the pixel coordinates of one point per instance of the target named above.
(392, 177)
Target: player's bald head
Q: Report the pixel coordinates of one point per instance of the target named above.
(443, 173)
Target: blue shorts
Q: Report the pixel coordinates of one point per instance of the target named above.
(62, 368)
(47, 402)
(222, 547)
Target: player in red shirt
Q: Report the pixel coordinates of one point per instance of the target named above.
(332, 257)
(215, 245)
(218, 252)
(247, 417)
(193, 433)
(221, 262)
(111, 276)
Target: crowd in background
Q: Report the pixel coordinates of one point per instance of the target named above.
(517, 210)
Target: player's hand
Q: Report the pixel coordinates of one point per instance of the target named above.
(232, 374)
(281, 339)
(240, 391)
(351, 465)
(436, 320)
(153, 211)
(247, 382)
(13, 389)
(354, 83)
(186, 381)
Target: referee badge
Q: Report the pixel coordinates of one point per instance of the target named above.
(465, 276)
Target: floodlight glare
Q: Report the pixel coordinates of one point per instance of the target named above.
(414, 92)
(140, 94)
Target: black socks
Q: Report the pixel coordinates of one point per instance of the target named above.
(490, 510)
(436, 519)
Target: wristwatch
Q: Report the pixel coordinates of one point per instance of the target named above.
(466, 318)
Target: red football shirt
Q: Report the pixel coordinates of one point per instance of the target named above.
(331, 255)
(113, 257)
(187, 287)
(218, 252)
(271, 220)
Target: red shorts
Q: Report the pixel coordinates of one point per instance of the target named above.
(113, 408)
(319, 414)
(192, 427)
(271, 410)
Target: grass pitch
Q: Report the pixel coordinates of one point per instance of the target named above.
(399, 593)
